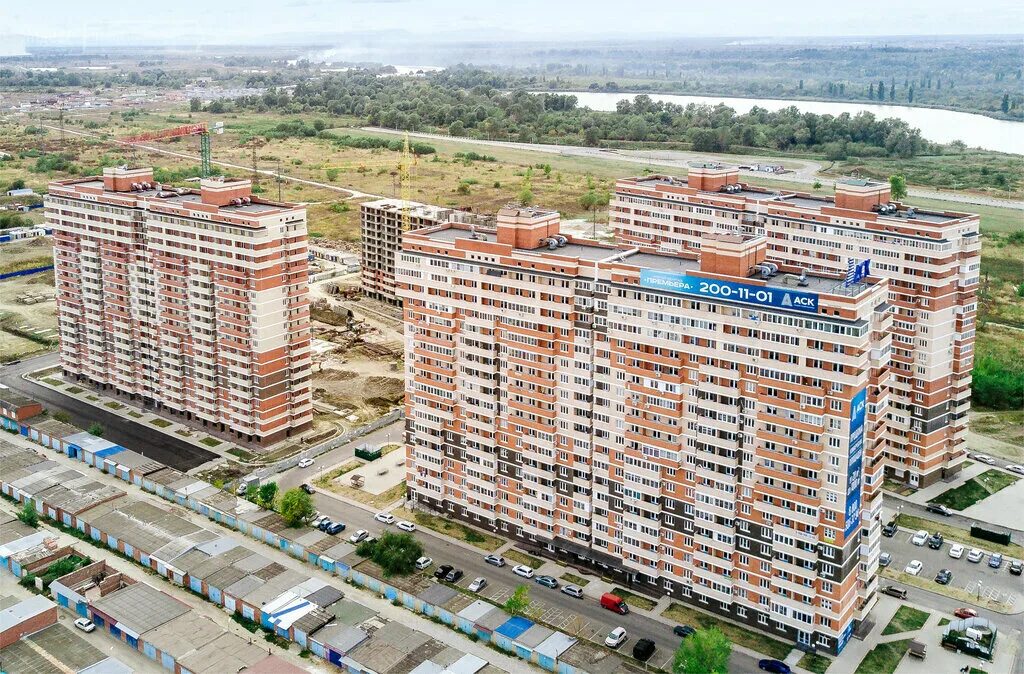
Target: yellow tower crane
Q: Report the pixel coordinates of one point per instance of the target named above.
(404, 178)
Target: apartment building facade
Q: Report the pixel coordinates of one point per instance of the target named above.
(381, 226)
(932, 260)
(192, 302)
(678, 422)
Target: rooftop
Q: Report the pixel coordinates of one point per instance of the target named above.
(37, 653)
(141, 607)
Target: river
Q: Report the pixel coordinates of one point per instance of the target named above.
(940, 126)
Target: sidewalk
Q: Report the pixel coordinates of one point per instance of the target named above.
(926, 495)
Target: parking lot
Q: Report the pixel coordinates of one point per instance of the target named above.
(995, 584)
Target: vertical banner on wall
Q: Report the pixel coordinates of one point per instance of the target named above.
(855, 468)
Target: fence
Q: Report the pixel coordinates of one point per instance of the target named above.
(25, 272)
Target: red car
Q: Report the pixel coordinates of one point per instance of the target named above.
(965, 613)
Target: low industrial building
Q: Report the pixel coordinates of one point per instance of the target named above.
(25, 617)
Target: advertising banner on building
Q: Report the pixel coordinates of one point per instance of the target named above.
(748, 293)
(855, 467)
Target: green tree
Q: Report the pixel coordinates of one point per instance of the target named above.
(332, 174)
(519, 602)
(28, 514)
(394, 553)
(252, 492)
(593, 199)
(704, 652)
(268, 492)
(95, 428)
(1005, 107)
(19, 184)
(457, 128)
(319, 125)
(195, 105)
(296, 507)
(62, 416)
(897, 187)
(525, 196)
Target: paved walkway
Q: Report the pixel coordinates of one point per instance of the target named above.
(926, 495)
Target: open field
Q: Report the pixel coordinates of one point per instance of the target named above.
(26, 328)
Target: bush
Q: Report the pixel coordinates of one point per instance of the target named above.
(394, 553)
(95, 428)
(463, 189)
(997, 385)
(28, 514)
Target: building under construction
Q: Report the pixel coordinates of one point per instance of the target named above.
(381, 224)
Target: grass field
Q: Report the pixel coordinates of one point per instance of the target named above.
(883, 658)
(454, 529)
(737, 634)
(574, 579)
(635, 600)
(520, 557)
(976, 489)
(906, 619)
(813, 662)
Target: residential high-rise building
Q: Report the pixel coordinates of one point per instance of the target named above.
(194, 302)
(932, 260)
(706, 427)
(381, 229)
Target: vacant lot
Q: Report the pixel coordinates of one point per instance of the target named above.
(28, 312)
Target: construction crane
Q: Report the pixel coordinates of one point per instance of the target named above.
(404, 178)
(199, 129)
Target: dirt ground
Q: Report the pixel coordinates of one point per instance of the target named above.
(17, 319)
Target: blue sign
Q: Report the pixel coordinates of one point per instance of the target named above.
(854, 471)
(748, 293)
(856, 271)
(844, 638)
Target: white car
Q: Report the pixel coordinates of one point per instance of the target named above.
(386, 518)
(975, 555)
(920, 538)
(914, 567)
(406, 525)
(1015, 468)
(316, 522)
(305, 463)
(477, 584)
(956, 551)
(423, 562)
(359, 536)
(523, 570)
(615, 638)
(85, 625)
(984, 458)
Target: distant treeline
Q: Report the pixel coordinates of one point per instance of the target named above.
(472, 102)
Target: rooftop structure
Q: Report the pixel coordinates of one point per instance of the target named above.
(193, 301)
(930, 257)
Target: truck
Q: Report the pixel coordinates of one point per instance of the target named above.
(614, 603)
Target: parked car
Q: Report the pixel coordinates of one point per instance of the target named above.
(386, 518)
(454, 575)
(956, 551)
(984, 458)
(683, 631)
(306, 488)
(773, 666)
(1015, 468)
(359, 536)
(305, 463)
(477, 584)
(85, 625)
(890, 529)
(995, 560)
(423, 562)
(522, 570)
(943, 577)
(495, 560)
(406, 525)
(614, 602)
(975, 555)
(914, 567)
(317, 520)
(643, 649)
(335, 528)
(920, 538)
(884, 559)
(324, 523)
(894, 591)
(573, 591)
(442, 571)
(938, 508)
(546, 581)
(935, 541)
(1016, 567)
(963, 613)
(616, 637)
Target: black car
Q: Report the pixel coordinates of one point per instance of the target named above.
(683, 631)
(643, 649)
(935, 541)
(335, 528)
(943, 577)
(453, 575)
(306, 488)
(938, 508)
(1016, 567)
(774, 666)
(443, 570)
(890, 529)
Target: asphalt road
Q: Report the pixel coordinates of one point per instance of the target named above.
(132, 435)
(582, 617)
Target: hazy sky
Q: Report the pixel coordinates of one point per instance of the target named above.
(230, 21)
